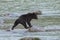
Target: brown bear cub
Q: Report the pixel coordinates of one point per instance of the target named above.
(26, 19)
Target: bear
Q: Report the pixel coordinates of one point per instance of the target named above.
(26, 18)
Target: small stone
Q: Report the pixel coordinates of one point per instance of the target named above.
(7, 30)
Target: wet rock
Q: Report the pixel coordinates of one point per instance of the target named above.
(30, 38)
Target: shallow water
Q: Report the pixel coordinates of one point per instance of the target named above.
(48, 8)
(20, 33)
